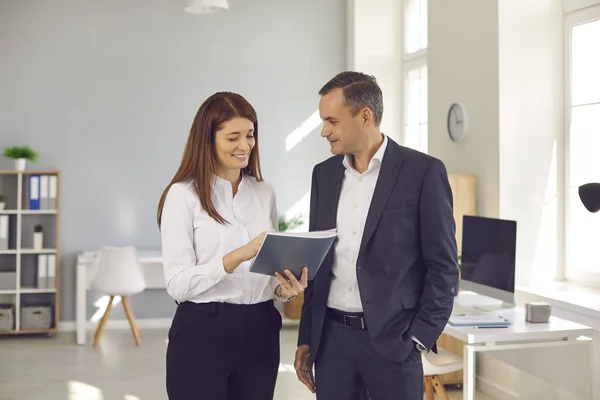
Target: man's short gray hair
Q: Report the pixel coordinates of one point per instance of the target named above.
(360, 90)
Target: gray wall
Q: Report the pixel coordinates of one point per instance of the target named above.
(106, 92)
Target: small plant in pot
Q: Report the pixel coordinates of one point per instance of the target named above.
(38, 237)
(21, 154)
(2, 202)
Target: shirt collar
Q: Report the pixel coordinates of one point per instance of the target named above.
(375, 161)
(225, 185)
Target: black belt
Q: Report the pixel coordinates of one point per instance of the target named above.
(351, 320)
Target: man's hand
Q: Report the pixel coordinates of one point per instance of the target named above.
(289, 286)
(304, 367)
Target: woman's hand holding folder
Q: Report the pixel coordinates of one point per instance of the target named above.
(289, 287)
(247, 252)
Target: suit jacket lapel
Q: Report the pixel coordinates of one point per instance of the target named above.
(334, 189)
(390, 167)
(330, 201)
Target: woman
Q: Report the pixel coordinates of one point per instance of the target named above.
(224, 339)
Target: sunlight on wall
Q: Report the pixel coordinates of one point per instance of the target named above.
(545, 258)
(301, 207)
(131, 397)
(102, 303)
(309, 125)
(83, 391)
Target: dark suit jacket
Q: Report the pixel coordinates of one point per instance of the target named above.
(407, 266)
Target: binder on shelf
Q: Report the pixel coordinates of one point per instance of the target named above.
(53, 191)
(3, 232)
(34, 192)
(51, 280)
(44, 192)
(42, 281)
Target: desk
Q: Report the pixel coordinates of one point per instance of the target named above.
(151, 262)
(521, 335)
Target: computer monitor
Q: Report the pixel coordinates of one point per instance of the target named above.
(488, 259)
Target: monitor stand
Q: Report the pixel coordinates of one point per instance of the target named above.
(494, 307)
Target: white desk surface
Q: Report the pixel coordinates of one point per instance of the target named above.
(567, 295)
(520, 330)
(145, 256)
(151, 261)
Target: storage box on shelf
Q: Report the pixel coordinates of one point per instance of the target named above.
(29, 252)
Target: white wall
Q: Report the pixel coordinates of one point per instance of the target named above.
(373, 40)
(106, 92)
(503, 60)
(463, 67)
(531, 129)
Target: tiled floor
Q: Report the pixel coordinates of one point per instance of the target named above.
(56, 368)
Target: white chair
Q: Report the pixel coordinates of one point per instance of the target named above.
(117, 272)
(438, 364)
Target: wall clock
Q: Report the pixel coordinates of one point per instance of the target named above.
(457, 122)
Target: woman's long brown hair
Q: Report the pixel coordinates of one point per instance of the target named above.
(199, 157)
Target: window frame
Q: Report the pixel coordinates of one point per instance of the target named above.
(581, 12)
(409, 66)
(410, 62)
(575, 5)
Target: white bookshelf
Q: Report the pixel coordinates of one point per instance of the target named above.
(21, 260)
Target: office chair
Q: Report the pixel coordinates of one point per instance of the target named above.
(434, 365)
(117, 272)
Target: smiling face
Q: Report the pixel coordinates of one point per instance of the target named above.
(234, 142)
(344, 131)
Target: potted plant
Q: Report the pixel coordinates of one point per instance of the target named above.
(20, 154)
(292, 309)
(38, 237)
(457, 288)
(292, 223)
(2, 202)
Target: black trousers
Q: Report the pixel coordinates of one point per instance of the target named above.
(220, 351)
(348, 367)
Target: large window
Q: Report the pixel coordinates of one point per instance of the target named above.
(415, 74)
(582, 140)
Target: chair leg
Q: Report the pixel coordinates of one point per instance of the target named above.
(439, 388)
(134, 328)
(428, 388)
(100, 328)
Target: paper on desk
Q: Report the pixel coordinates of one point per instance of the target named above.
(478, 320)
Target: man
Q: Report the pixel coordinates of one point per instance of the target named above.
(385, 291)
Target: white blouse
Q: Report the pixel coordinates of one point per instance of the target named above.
(194, 244)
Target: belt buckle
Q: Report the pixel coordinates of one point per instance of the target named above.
(348, 318)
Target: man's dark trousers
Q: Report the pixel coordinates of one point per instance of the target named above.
(351, 365)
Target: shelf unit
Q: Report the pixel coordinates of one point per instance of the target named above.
(21, 260)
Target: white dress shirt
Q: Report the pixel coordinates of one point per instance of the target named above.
(194, 244)
(353, 207)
